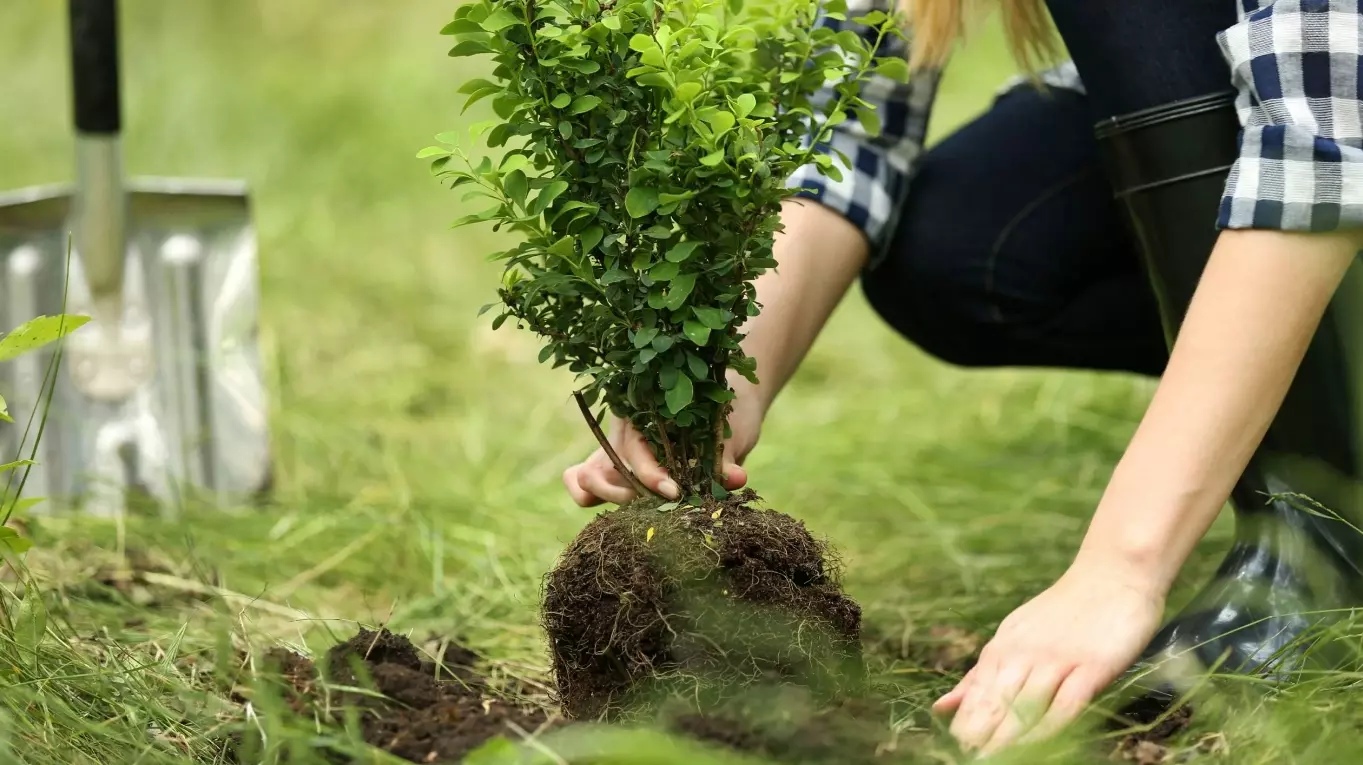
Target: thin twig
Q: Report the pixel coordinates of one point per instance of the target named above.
(672, 463)
(721, 419)
(610, 450)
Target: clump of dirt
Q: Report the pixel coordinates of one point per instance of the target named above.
(1158, 722)
(648, 599)
(429, 712)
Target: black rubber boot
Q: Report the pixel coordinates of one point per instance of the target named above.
(1294, 558)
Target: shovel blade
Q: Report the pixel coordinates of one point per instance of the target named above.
(166, 400)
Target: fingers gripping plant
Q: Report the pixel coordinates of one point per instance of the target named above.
(647, 144)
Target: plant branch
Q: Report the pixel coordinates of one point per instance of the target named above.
(721, 420)
(619, 464)
(671, 456)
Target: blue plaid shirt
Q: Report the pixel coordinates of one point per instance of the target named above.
(1298, 68)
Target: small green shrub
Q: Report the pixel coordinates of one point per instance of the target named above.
(647, 148)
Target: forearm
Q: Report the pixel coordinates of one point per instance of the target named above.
(1259, 302)
(819, 254)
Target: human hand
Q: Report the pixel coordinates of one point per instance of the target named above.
(595, 480)
(1053, 655)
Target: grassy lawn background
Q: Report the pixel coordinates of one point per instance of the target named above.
(419, 453)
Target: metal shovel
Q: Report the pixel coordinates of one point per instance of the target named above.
(162, 392)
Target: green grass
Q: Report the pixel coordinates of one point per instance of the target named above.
(419, 453)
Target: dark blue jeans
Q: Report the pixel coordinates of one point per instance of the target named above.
(1010, 250)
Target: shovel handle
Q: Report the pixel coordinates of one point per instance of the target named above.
(94, 66)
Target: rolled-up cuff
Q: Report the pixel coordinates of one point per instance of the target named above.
(867, 194)
(1289, 178)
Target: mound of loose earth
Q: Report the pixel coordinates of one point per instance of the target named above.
(651, 598)
(429, 712)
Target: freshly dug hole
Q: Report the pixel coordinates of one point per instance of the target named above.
(647, 601)
(427, 712)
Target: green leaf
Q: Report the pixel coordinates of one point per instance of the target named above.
(481, 217)
(893, 67)
(10, 539)
(664, 272)
(4, 411)
(500, 19)
(565, 129)
(584, 104)
(585, 67)
(433, 151)
(461, 27)
(713, 158)
(680, 395)
(30, 623)
(656, 80)
(697, 367)
(746, 103)
(496, 751)
(35, 333)
(612, 276)
(682, 251)
(872, 19)
(591, 238)
(641, 201)
(469, 48)
(720, 121)
(561, 100)
(19, 506)
(546, 352)
(642, 42)
(547, 196)
(696, 332)
(563, 248)
(477, 84)
(687, 91)
(718, 393)
(645, 336)
(870, 121)
(680, 290)
(710, 317)
(662, 343)
(516, 186)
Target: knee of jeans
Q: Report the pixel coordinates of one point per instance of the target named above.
(930, 314)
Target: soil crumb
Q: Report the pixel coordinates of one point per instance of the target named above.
(429, 713)
(1151, 746)
(650, 599)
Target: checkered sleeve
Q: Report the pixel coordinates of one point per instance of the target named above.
(1299, 72)
(869, 192)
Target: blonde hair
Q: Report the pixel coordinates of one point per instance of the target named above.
(937, 24)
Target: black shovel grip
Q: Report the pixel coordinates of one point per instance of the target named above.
(94, 65)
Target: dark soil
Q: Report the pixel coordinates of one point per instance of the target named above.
(1156, 724)
(430, 713)
(647, 601)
